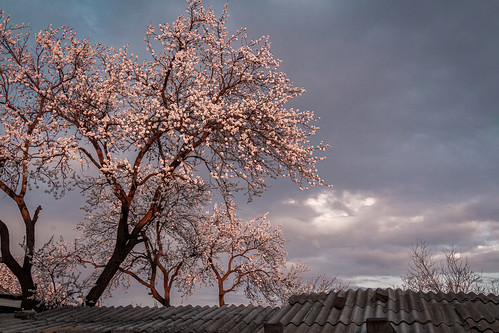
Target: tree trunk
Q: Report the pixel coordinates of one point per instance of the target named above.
(166, 298)
(124, 244)
(113, 265)
(165, 301)
(23, 274)
(28, 291)
(221, 301)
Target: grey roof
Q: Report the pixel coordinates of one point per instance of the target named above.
(342, 311)
(406, 311)
(8, 301)
(236, 319)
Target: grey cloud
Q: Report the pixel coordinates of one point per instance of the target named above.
(377, 239)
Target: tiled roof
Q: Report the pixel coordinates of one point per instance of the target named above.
(406, 311)
(343, 311)
(233, 319)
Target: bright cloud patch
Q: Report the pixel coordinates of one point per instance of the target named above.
(338, 212)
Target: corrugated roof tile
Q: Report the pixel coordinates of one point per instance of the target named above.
(478, 311)
(401, 308)
(301, 313)
(260, 315)
(339, 312)
(288, 313)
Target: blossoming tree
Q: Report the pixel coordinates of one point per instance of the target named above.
(208, 107)
(55, 274)
(243, 254)
(187, 246)
(293, 283)
(171, 244)
(34, 148)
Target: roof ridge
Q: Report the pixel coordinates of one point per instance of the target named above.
(394, 295)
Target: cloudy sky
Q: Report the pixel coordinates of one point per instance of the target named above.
(408, 96)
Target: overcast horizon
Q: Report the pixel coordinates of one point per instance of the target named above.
(407, 93)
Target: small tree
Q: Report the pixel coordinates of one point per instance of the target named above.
(293, 283)
(170, 246)
(55, 274)
(243, 254)
(163, 263)
(452, 274)
(58, 276)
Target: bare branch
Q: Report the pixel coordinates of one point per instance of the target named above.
(452, 274)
